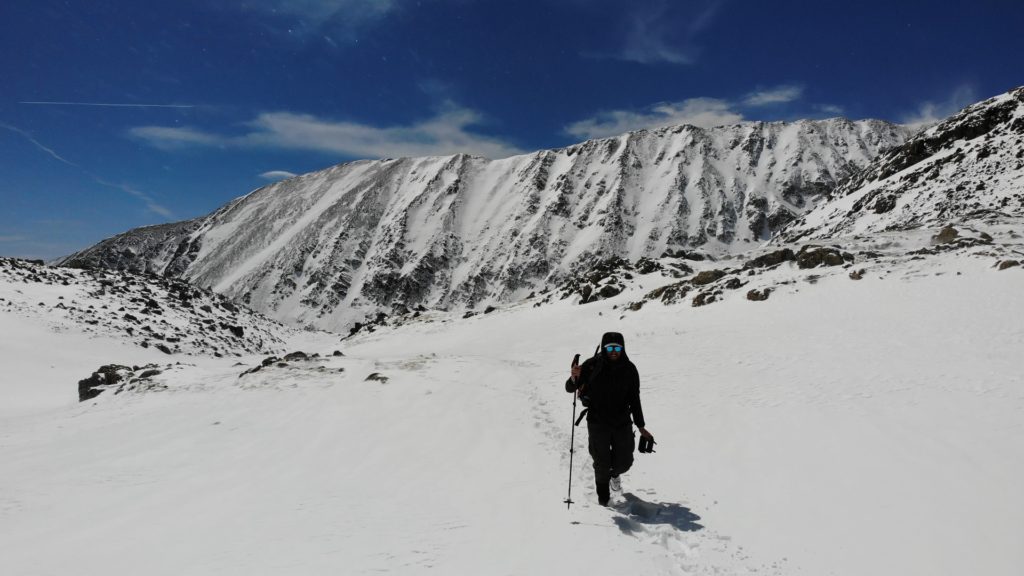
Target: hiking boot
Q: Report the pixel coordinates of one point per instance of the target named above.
(615, 484)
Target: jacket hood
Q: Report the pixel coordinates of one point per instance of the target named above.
(614, 338)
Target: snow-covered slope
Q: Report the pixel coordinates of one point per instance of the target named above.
(970, 166)
(842, 426)
(334, 246)
(168, 315)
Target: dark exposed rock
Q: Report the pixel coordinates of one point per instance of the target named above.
(771, 259)
(732, 284)
(269, 360)
(377, 377)
(705, 298)
(679, 269)
(163, 348)
(1008, 264)
(251, 370)
(707, 277)
(759, 295)
(815, 256)
(857, 274)
(337, 353)
(297, 355)
(671, 293)
(946, 235)
(609, 291)
(489, 309)
(885, 204)
(150, 373)
(647, 266)
(92, 386)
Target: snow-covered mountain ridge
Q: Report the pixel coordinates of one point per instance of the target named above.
(968, 167)
(335, 246)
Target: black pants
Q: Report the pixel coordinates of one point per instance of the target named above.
(611, 446)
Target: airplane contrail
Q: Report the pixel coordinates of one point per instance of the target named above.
(111, 104)
(150, 203)
(38, 144)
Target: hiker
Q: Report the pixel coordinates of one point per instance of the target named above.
(609, 386)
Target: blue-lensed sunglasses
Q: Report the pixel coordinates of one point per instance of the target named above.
(613, 348)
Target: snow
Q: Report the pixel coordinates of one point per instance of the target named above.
(840, 427)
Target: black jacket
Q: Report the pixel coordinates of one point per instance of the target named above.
(612, 389)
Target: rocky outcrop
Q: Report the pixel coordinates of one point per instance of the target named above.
(120, 379)
(811, 256)
(152, 312)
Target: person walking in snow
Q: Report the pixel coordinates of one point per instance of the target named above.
(609, 387)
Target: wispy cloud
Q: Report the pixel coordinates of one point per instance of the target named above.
(655, 34)
(10, 239)
(831, 109)
(172, 137)
(932, 112)
(777, 95)
(152, 205)
(703, 112)
(277, 175)
(109, 104)
(448, 132)
(700, 112)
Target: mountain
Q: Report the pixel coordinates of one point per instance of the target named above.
(334, 246)
(968, 167)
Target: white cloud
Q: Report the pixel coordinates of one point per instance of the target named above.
(777, 95)
(928, 113)
(702, 112)
(448, 132)
(831, 109)
(170, 137)
(277, 175)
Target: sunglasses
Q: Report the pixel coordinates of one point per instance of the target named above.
(613, 348)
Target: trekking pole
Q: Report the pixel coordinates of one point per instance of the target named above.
(572, 438)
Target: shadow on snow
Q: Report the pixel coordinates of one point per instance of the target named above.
(637, 512)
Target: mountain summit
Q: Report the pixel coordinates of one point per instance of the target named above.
(333, 246)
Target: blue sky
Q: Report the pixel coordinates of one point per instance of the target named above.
(116, 114)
